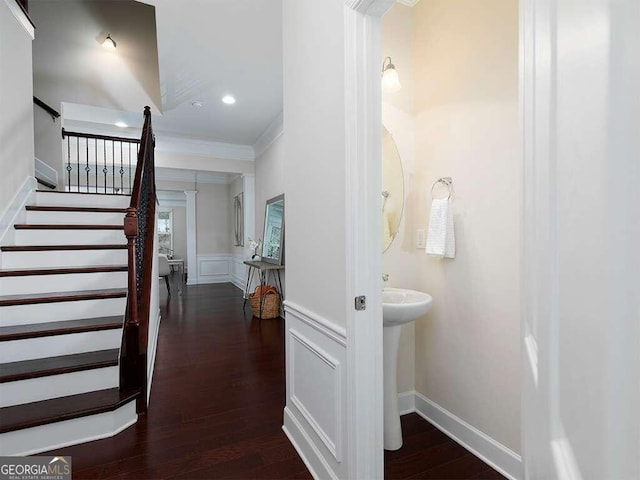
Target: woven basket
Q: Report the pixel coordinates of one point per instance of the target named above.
(270, 305)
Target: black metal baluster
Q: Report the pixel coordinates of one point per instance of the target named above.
(78, 160)
(86, 168)
(105, 170)
(96, 162)
(121, 170)
(129, 148)
(68, 162)
(113, 166)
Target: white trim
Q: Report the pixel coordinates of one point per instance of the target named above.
(305, 447)
(166, 174)
(21, 18)
(14, 212)
(45, 172)
(120, 419)
(322, 325)
(335, 447)
(270, 135)
(192, 245)
(407, 402)
(492, 452)
(154, 348)
(249, 201)
(235, 264)
(408, 3)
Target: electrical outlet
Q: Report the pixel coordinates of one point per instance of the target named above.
(421, 238)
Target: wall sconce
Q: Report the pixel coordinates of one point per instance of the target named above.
(390, 80)
(109, 43)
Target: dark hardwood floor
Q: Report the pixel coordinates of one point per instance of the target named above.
(216, 406)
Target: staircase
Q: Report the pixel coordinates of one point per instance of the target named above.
(63, 296)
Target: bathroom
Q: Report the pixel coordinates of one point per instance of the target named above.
(455, 115)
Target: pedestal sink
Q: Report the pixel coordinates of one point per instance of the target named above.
(399, 306)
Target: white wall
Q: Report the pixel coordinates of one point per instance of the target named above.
(398, 117)
(213, 219)
(48, 142)
(235, 188)
(16, 104)
(467, 127)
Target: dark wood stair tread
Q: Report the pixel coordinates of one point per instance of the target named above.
(52, 208)
(44, 412)
(65, 327)
(25, 272)
(55, 226)
(44, 367)
(55, 297)
(44, 248)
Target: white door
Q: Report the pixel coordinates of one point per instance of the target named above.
(581, 231)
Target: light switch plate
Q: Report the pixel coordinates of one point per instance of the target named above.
(421, 238)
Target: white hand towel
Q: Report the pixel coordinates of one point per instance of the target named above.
(441, 241)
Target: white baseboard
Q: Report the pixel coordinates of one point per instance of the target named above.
(153, 350)
(305, 447)
(14, 212)
(492, 452)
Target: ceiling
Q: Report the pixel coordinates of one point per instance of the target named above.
(205, 49)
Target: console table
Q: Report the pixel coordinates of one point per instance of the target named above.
(264, 270)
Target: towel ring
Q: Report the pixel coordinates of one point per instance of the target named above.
(448, 181)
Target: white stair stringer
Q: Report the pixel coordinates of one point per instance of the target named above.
(81, 200)
(43, 347)
(82, 218)
(53, 386)
(62, 283)
(54, 312)
(69, 237)
(29, 441)
(64, 258)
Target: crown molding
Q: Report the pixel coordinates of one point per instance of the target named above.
(193, 176)
(21, 17)
(270, 135)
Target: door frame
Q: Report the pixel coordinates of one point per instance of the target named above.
(363, 184)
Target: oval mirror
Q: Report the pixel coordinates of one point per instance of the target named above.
(392, 189)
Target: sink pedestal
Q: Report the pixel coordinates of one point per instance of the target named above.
(392, 428)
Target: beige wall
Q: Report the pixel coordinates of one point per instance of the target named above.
(466, 126)
(398, 117)
(235, 188)
(16, 105)
(213, 219)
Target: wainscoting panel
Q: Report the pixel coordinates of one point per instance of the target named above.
(315, 410)
(214, 268)
(238, 271)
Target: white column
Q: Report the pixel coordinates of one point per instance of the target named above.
(192, 229)
(249, 189)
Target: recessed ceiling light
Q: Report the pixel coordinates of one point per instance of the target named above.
(121, 124)
(228, 99)
(197, 104)
(109, 43)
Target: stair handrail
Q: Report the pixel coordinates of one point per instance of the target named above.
(139, 229)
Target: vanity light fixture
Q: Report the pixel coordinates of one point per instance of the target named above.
(109, 43)
(390, 80)
(228, 99)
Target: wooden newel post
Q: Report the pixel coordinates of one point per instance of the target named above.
(130, 368)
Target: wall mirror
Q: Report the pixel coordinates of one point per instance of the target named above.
(238, 220)
(273, 243)
(392, 190)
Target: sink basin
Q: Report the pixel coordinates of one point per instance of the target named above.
(400, 306)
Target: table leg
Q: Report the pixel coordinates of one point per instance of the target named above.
(246, 287)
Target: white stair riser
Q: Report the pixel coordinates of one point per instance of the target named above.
(53, 386)
(84, 218)
(55, 312)
(81, 200)
(29, 441)
(62, 283)
(29, 349)
(69, 237)
(64, 258)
